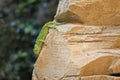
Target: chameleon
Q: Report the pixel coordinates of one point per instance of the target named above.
(42, 35)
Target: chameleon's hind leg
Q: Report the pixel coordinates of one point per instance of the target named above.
(43, 41)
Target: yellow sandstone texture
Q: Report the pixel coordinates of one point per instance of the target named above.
(86, 47)
(89, 12)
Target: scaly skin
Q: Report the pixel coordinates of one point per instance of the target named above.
(42, 35)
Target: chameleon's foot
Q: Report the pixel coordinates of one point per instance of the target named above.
(56, 28)
(53, 27)
(43, 42)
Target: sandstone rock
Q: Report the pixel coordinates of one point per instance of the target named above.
(99, 77)
(72, 52)
(87, 47)
(115, 67)
(90, 12)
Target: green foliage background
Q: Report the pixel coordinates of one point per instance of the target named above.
(20, 23)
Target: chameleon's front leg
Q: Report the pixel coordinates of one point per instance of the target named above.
(53, 27)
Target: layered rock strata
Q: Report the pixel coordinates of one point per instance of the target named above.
(86, 47)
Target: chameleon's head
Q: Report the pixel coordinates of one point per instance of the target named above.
(51, 23)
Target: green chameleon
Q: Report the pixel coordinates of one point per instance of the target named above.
(42, 35)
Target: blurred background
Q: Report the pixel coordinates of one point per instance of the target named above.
(20, 23)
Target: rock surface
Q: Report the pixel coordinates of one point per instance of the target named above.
(90, 12)
(77, 51)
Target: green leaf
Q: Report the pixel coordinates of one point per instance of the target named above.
(20, 8)
(22, 54)
(17, 11)
(22, 5)
(28, 29)
(31, 1)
